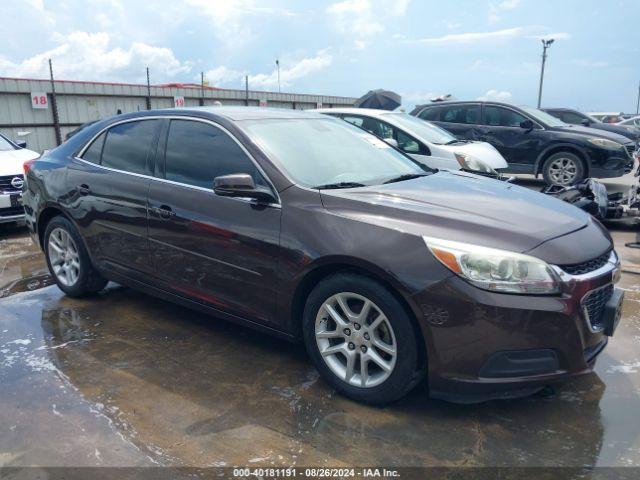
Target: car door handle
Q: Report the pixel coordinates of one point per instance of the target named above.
(83, 189)
(164, 211)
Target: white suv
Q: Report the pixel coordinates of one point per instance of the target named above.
(12, 157)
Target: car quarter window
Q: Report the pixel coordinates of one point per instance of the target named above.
(430, 113)
(502, 117)
(93, 154)
(198, 152)
(128, 146)
(461, 114)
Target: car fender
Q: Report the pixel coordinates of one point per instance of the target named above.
(554, 146)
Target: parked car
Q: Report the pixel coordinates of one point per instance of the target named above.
(535, 142)
(306, 227)
(12, 156)
(606, 117)
(422, 140)
(631, 122)
(575, 117)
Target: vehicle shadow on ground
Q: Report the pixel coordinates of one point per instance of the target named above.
(203, 383)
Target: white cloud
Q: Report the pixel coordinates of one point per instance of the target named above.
(590, 63)
(399, 7)
(288, 74)
(470, 37)
(495, 11)
(355, 17)
(555, 36)
(88, 56)
(229, 18)
(495, 95)
(222, 75)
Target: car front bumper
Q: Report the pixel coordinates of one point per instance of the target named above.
(11, 209)
(483, 345)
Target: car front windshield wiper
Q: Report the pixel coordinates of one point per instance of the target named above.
(406, 176)
(329, 186)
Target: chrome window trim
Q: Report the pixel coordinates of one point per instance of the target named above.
(81, 152)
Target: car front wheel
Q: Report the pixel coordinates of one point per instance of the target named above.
(564, 169)
(68, 260)
(361, 339)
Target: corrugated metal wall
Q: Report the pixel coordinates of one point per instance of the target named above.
(81, 102)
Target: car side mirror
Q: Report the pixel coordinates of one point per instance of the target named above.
(391, 141)
(526, 124)
(241, 185)
(21, 144)
(585, 122)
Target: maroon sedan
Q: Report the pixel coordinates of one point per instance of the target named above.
(303, 226)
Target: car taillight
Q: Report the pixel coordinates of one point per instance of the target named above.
(27, 165)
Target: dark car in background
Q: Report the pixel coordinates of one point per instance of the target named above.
(575, 117)
(306, 227)
(535, 142)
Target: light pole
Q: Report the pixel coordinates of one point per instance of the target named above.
(545, 44)
(638, 104)
(278, 67)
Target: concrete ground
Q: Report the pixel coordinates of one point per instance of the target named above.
(124, 379)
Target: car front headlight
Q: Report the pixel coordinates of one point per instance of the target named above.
(496, 270)
(468, 162)
(604, 143)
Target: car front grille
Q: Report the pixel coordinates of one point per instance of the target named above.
(11, 211)
(631, 148)
(588, 266)
(593, 305)
(5, 182)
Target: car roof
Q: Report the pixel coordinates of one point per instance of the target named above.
(233, 113)
(373, 112)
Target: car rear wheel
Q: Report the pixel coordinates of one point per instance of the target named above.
(564, 169)
(361, 339)
(68, 260)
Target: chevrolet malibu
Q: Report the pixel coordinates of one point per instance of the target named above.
(306, 227)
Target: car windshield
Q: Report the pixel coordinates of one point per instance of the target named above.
(325, 151)
(544, 117)
(5, 145)
(424, 130)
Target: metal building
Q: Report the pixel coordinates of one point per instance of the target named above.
(28, 111)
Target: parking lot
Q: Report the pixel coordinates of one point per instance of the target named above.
(124, 379)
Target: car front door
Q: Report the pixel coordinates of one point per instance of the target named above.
(108, 196)
(219, 251)
(520, 146)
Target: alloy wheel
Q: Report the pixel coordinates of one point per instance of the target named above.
(356, 340)
(64, 257)
(563, 171)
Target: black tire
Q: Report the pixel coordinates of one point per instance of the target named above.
(573, 162)
(405, 374)
(88, 279)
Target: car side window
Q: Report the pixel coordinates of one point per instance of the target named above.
(407, 143)
(198, 152)
(572, 118)
(128, 146)
(93, 154)
(357, 121)
(502, 117)
(469, 114)
(430, 114)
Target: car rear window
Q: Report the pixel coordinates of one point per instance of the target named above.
(127, 146)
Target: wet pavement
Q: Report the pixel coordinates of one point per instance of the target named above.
(124, 379)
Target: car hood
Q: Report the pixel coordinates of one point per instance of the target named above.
(463, 207)
(587, 131)
(481, 150)
(11, 160)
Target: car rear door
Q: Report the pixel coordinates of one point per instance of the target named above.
(109, 184)
(519, 146)
(220, 251)
(461, 119)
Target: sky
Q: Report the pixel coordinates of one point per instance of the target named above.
(472, 49)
